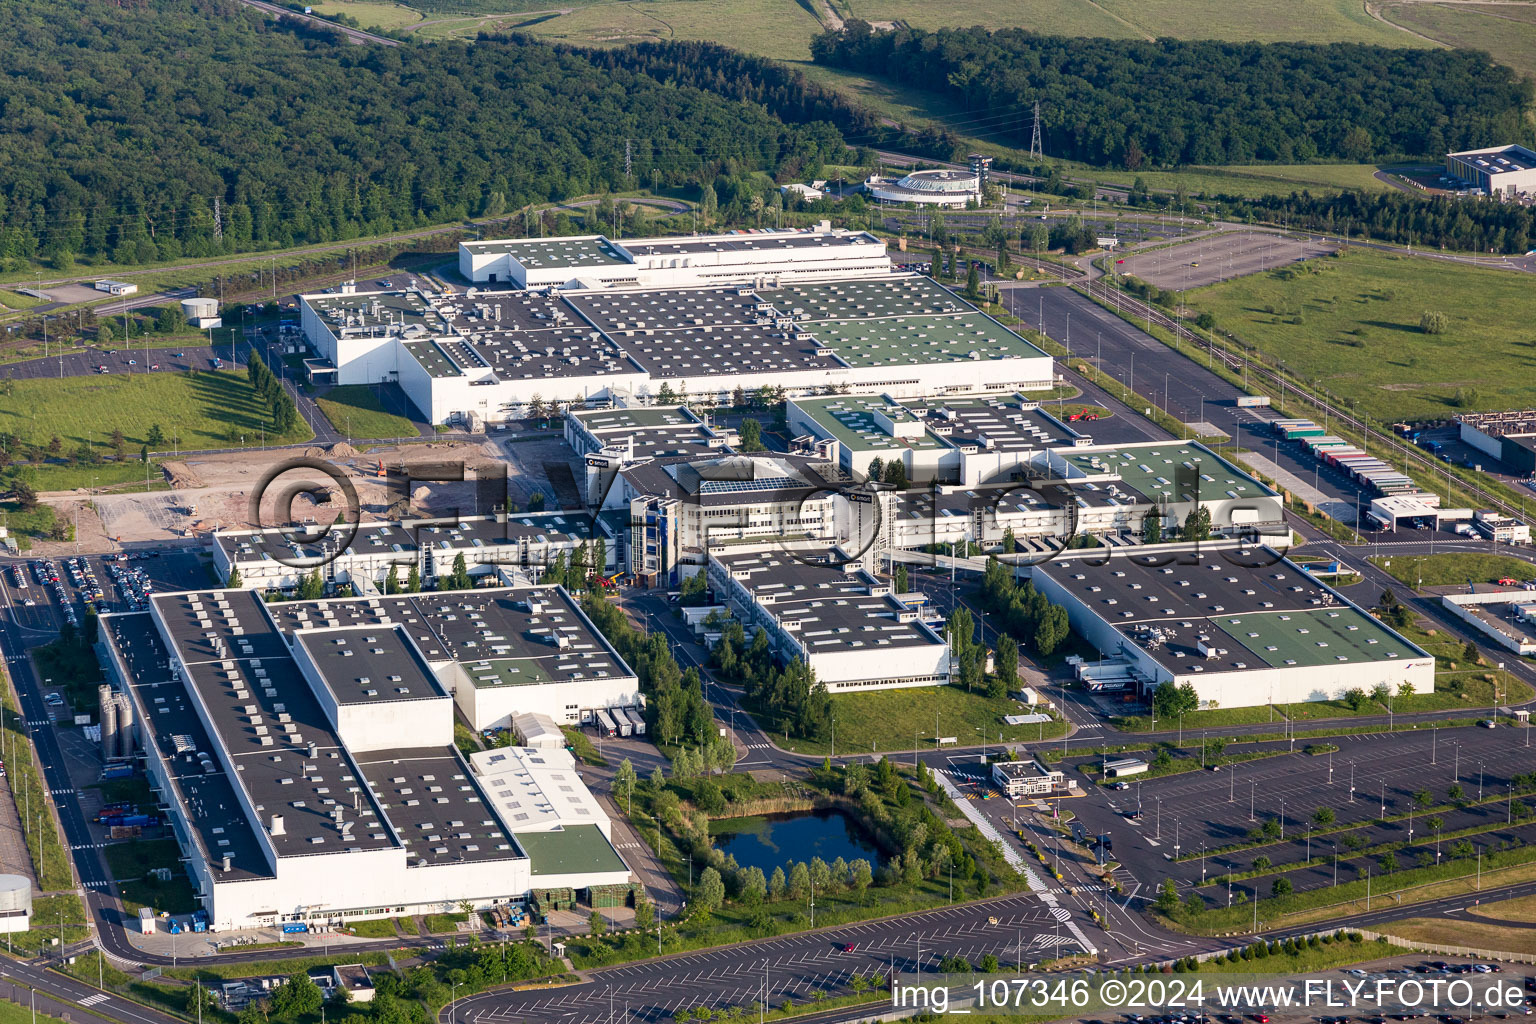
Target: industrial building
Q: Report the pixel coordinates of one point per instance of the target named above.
(939, 438)
(1243, 625)
(483, 356)
(1506, 615)
(304, 751)
(1509, 437)
(954, 189)
(755, 258)
(675, 510)
(278, 558)
(608, 440)
(1502, 171)
(817, 605)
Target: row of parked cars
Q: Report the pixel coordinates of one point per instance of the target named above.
(46, 572)
(134, 584)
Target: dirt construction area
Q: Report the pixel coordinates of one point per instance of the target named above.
(314, 485)
(1220, 257)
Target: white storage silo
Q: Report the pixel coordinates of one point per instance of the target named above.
(15, 903)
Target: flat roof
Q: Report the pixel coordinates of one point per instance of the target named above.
(499, 637)
(572, 849)
(482, 536)
(832, 602)
(727, 479)
(370, 665)
(678, 332)
(994, 424)
(1498, 159)
(851, 421)
(1153, 470)
(287, 758)
(1273, 616)
(436, 806)
(554, 253)
(766, 241)
(177, 734)
(537, 788)
(1011, 424)
(901, 318)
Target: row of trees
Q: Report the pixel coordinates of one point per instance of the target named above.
(1132, 103)
(1469, 225)
(285, 415)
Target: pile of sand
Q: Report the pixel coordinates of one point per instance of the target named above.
(342, 450)
(181, 476)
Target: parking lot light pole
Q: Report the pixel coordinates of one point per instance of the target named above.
(1383, 798)
(1252, 788)
(1351, 782)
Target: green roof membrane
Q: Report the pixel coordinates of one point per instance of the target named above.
(574, 849)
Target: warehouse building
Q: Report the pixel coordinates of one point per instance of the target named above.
(1244, 626)
(305, 754)
(278, 558)
(483, 357)
(1503, 171)
(1509, 437)
(939, 438)
(685, 261)
(817, 605)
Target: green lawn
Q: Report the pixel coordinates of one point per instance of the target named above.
(61, 476)
(1248, 181)
(382, 928)
(1504, 30)
(1264, 21)
(205, 411)
(16, 300)
(898, 719)
(437, 923)
(1196, 722)
(1352, 324)
(1458, 569)
(370, 14)
(27, 525)
(129, 860)
(354, 409)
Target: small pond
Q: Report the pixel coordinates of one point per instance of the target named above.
(774, 840)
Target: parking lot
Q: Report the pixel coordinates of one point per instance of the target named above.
(1369, 777)
(1221, 257)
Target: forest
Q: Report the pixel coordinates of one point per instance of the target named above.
(200, 127)
(1136, 104)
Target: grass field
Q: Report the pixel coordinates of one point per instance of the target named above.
(1454, 570)
(1522, 909)
(1198, 721)
(16, 300)
(205, 411)
(1352, 324)
(68, 476)
(370, 14)
(783, 28)
(1264, 21)
(896, 719)
(1504, 30)
(354, 410)
(1441, 931)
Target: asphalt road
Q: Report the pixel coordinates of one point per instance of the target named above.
(1176, 382)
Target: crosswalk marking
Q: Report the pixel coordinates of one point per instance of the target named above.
(99, 997)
